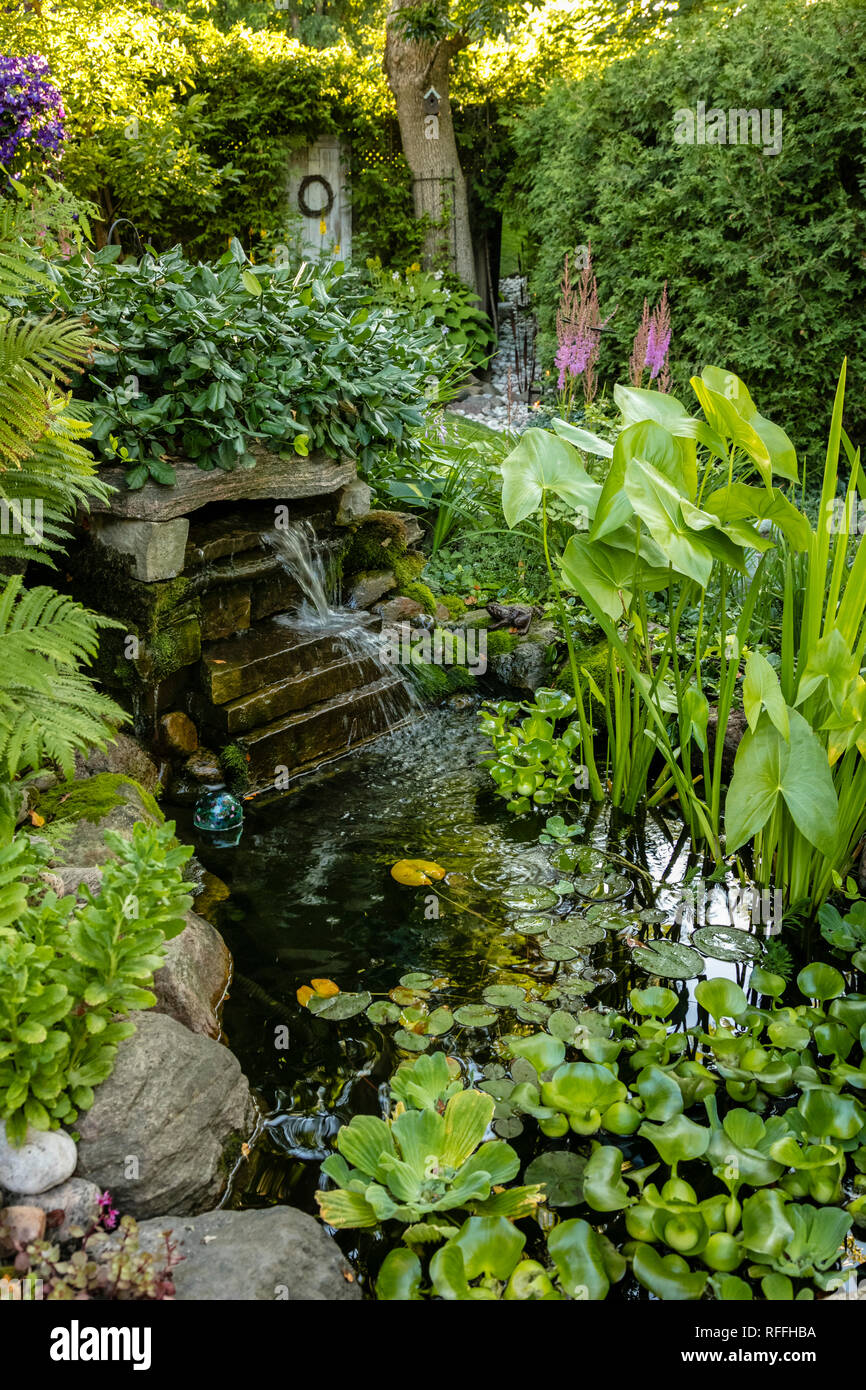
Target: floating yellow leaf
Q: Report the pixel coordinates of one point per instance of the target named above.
(304, 995)
(325, 988)
(414, 872)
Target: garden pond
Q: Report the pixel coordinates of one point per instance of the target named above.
(537, 923)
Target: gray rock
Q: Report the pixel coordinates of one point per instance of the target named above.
(369, 587)
(72, 877)
(165, 1127)
(192, 983)
(77, 1199)
(354, 503)
(476, 617)
(277, 1253)
(45, 1159)
(526, 667)
(82, 844)
(157, 547)
(399, 609)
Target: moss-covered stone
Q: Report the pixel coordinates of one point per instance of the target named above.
(498, 643)
(407, 567)
(454, 604)
(432, 683)
(421, 593)
(377, 544)
(91, 799)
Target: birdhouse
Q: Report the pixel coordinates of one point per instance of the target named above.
(431, 101)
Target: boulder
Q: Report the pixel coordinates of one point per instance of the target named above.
(399, 609)
(177, 734)
(367, 588)
(353, 503)
(167, 1125)
(82, 844)
(125, 755)
(192, 984)
(19, 1226)
(69, 878)
(46, 1158)
(77, 1199)
(276, 1253)
(527, 667)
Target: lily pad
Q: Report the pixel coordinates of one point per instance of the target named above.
(535, 925)
(581, 857)
(383, 1011)
(533, 1011)
(727, 943)
(418, 979)
(412, 1042)
(577, 934)
(603, 887)
(404, 997)
(571, 993)
(337, 1007)
(522, 1071)
(531, 897)
(554, 950)
(414, 872)
(439, 1022)
(561, 1174)
(503, 996)
(507, 1126)
(669, 960)
(475, 1016)
(561, 1025)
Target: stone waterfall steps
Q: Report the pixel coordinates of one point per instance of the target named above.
(292, 696)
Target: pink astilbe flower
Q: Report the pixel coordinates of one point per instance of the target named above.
(637, 361)
(659, 341)
(578, 330)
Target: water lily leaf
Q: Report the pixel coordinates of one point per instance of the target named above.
(475, 1016)
(407, 997)
(439, 1022)
(383, 1012)
(400, 1277)
(578, 1253)
(415, 872)
(420, 979)
(507, 1126)
(561, 1025)
(561, 1174)
(727, 943)
(552, 950)
(411, 1042)
(533, 1011)
(668, 959)
(523, 1072)
(668, 1277)
(338, 1007)
(572, 992)
(577, 934)
(503, 996)
(721, 998)
(535, 924)
(529, 897)
(602, 886)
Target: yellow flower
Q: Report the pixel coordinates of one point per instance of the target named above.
(414, 266)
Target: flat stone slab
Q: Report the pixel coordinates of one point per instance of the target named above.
(271, 476)
(275, 1254)
(157, 547)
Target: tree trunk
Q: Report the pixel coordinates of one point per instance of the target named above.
(439, 186)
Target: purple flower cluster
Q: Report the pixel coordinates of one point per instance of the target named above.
(108, 1213)
(573, 356)
(31, 109)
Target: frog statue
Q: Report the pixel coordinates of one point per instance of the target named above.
(516, 616)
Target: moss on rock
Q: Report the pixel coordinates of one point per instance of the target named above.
(454, 603)
(499, 643)
(91, 799)
(421, 593)
(235, 766)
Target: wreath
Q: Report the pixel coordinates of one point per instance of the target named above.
(302, 201)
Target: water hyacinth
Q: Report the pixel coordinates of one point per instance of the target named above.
(31, 109)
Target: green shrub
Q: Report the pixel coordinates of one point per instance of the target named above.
(68, 968)
(762, 254)
(421, 593)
